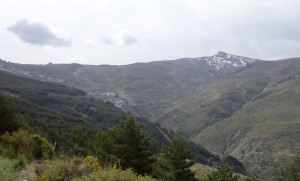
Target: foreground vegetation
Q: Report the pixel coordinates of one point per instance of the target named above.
(75, 168)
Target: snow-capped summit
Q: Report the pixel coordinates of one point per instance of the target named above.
(224, 60)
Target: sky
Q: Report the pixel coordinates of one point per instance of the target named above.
(122, 32)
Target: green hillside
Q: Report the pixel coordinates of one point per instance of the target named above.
(54, 110)
(212, 104)
(253, 116)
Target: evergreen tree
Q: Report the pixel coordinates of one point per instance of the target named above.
(7, 121)
(292, 172)
(224, 173)
(172, 165)
(78, 140)
(125, 145)
(132, 147)
(104, 147)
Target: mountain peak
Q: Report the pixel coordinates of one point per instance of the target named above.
(223, 60)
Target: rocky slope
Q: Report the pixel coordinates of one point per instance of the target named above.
(145, 89)
(252, 115)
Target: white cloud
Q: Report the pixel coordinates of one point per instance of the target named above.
(37, 33)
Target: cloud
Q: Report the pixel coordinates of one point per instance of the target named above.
(37, 33)
(156, 30)
(123, 39)
(127, 39)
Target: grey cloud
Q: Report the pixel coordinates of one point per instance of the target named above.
(123, 39)
(108, 40)
(38, 34)
(127, 39)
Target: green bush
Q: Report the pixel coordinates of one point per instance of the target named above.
(51, 170)
(31, 145)
(113, 174)
(41, 147)
(83, 169)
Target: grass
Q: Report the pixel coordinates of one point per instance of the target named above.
(6, 167)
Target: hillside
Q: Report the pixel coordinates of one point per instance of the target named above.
(232, 105)
(252, 115)
(53, 110)
(145, 89)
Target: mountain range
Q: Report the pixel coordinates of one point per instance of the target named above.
(233, 105)
(145, 89)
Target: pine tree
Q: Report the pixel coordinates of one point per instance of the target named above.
(172, 165)
(132, 147)
(7, 121)
(78, 140)
(104, 147)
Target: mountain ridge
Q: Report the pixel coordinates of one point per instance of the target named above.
(152, 86)
(258, 119)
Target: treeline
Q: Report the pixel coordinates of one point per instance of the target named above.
(56, 116)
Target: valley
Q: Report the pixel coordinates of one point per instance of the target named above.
(231, 105)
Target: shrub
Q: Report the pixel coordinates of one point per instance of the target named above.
(91, 162)
(52, 171)
(113, 174)
(41, 147)
(67, 169)
(17, 143)
(30, 145)
(81, 169)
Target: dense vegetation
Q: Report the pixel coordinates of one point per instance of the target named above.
(119, 148)
(54, 110)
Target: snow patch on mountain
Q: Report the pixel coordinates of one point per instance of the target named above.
(224, 60)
